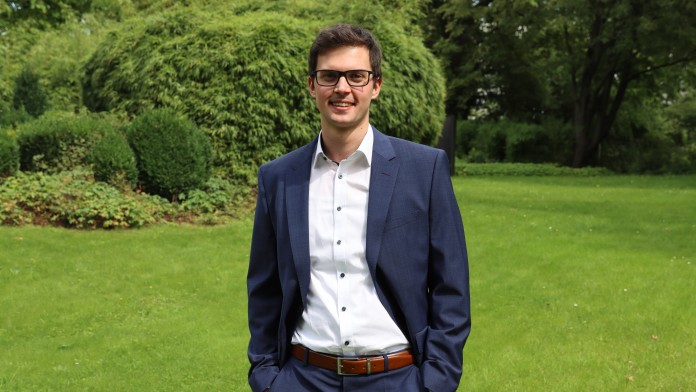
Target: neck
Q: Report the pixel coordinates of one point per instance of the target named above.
(340, 144)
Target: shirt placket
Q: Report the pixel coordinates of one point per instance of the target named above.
(341, 253)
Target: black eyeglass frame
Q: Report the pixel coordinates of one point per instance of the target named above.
(344, 74)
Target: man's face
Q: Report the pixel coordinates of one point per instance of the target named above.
(343, 107)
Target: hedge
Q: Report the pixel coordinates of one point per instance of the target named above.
(240, 73)
(59, 141)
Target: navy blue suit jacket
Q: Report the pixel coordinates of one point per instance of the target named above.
(415, 251)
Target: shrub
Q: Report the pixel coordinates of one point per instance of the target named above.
(526, 142)
(9, 155)
(490, 141)
(173, 155)
(526, 169)
(113, 161)
(28, 93)
(59, 141)
(217, 195)
(240, 73)
(73, 199)
(11, 117)
(513, 141)
(466, 133)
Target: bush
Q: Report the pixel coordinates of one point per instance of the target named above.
(57, 57)
(72, 199)
(173, 155)
(526, 169)
(11, 117)
(526, 143)
(466, 133)
(513, 141)
(217, 195)
(59, 141)
(28, 94)
(9, 155)
(489, 142)
(240, 73)
(113, 161)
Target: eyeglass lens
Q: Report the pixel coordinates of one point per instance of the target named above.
(355, 78)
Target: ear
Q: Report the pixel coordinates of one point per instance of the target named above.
(310, 86)
(376, 87)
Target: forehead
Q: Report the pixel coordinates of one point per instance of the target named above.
(344, 58)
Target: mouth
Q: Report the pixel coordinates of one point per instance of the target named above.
(341, 104)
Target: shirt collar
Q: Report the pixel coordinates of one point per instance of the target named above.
(365, 148)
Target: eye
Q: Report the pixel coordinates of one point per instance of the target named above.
(328, 76)
(357, 76)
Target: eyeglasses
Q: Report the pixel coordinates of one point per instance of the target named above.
(354, 77)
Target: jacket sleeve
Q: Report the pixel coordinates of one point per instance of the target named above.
(448, 286)
(264, 296)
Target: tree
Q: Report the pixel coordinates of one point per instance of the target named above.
(580, 57)
(42, 12)
(626, 41)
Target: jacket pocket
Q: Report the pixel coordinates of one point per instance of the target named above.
(402, 220)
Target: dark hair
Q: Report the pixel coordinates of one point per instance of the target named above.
(341, 35)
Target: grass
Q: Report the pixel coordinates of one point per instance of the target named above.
(581, 283)
(577, 284)
(157, 309)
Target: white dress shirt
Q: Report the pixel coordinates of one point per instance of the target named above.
(344, 316)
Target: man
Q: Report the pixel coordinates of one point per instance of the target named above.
(358, 275)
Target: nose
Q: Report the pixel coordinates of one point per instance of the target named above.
(342, 86)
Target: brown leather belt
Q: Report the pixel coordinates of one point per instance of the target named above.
(354, 366)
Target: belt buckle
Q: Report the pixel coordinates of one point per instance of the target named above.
(339, 366)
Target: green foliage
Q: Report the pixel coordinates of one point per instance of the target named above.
(14, 45)
(9, 155)
(54, 53)
(113, 161)
(215, 202)
(11, 117)
(215, 196)
(239, 72)
(652, 136)
(57, 57)
(573, 60)
(28, 94)
(73, 199)
(411, 104)
(681, 120)
(60, 141)
(173, 155)
(526, 170)
(513, 141)
(42, 13)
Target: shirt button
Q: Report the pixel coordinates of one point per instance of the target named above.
(338, 209)
(340, 176)
(346, 342)
(343, 275)
(343, 308)
(338, 242)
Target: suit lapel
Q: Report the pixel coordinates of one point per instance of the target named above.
(382, 181)
(297, 204)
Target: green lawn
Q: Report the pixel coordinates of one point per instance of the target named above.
(577, 284)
